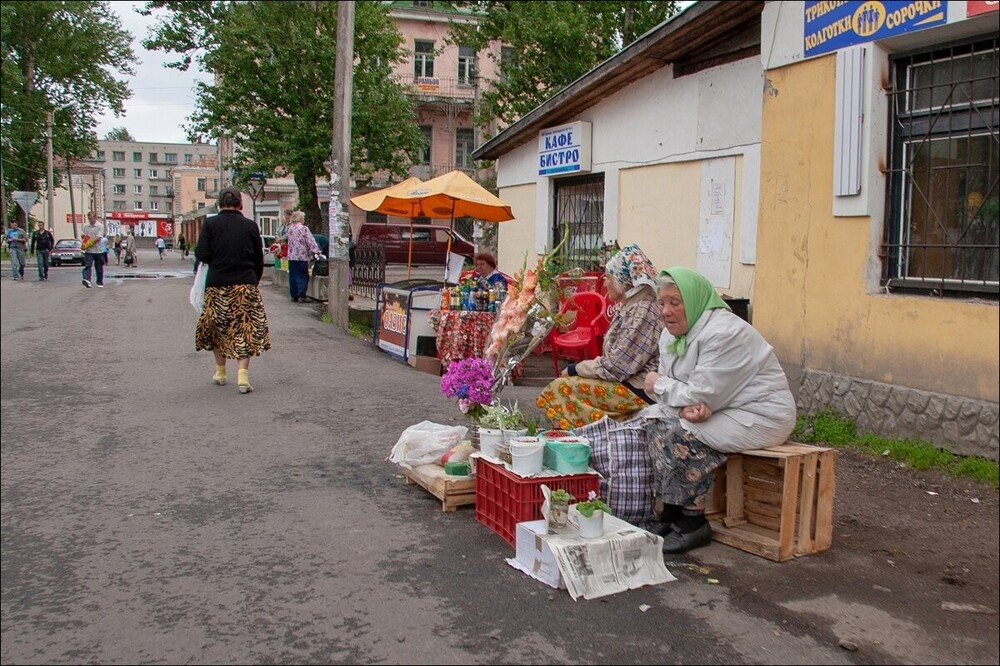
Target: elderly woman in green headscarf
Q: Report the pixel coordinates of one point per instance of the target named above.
(719, 390)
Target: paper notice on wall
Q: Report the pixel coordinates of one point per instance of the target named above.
(454, 272)
(715, 227)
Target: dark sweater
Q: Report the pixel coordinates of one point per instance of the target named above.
(232, 247)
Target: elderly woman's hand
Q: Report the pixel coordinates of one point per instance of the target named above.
(647, 385)
(695, 413)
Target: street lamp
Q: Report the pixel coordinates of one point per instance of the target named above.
(256, 187)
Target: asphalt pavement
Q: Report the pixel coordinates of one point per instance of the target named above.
(149, 516)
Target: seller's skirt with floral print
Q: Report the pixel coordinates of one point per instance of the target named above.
(683, 466)
(233, 321)
(573, 402)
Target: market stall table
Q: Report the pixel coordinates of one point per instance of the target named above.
(461, 333)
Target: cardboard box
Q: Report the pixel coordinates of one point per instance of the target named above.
(535, 556)
(428, 364)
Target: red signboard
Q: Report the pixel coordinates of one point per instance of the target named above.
(164, 228)
(977, 7)
(393, 322)
(79, 218)
(120, 215)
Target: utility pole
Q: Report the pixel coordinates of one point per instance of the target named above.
(340, 177)
(51, 223)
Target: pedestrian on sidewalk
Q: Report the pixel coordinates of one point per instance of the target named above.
(93, 251)
(131, 258)
(118, 250)
(17, 240)
(302, 246)
(42, 243)
(182, 245)
(233, 323)
(161, 245)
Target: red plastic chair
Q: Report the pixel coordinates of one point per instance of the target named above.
(583, 340)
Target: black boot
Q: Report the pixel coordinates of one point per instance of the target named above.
(665, 523)
(691, 531)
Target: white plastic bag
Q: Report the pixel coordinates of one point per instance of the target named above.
(425, 442)
(198, 288)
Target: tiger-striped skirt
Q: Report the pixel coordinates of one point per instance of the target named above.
(233, 321)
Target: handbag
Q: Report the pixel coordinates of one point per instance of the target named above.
(198, 288)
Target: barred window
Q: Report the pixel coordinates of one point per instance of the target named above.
(579, 213)
(942, 209)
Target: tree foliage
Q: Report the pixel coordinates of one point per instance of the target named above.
(551, 44)
(61, 57)
(274, 65)
(118, 134)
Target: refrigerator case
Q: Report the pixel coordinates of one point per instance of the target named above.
(403, 311)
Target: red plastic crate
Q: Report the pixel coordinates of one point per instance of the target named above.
(504, 499)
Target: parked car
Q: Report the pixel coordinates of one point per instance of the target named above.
(430, 242)
(66, 251)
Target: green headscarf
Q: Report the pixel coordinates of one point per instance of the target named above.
(698, 295)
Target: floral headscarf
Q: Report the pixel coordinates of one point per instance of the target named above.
(632, 269)
(698, 295)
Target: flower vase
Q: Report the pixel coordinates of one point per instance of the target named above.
(592, 527)
(474, 433)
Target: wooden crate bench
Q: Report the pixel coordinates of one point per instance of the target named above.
(775, 502)
(453, 491)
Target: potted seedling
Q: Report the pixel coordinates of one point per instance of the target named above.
(491, 429)
(590, 516)
(558, 513)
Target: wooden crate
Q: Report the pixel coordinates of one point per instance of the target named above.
(775, 502)
(453, 491)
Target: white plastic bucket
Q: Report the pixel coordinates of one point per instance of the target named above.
(488, 440)
(526, 455)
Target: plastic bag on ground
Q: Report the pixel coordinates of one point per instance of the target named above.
(425, 442)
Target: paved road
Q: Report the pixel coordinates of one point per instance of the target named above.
(149, 516)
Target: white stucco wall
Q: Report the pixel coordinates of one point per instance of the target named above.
(659, 121)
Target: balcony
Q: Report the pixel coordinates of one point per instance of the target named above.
(423, 172)
(168, 192)
(432, 88)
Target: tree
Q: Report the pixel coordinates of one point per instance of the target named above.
(274, 68)
(118, 134)
(60, 57)
(549, 45)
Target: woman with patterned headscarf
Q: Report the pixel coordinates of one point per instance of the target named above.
(611, 384)
(719, 390)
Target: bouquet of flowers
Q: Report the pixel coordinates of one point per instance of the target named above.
(471, 381)
(527, 316)
(88, 242)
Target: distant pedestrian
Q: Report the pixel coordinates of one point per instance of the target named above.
(182, 244)
(42, 243)
(118, 250)
(17, 242)
(302, 246)
(233, 323)
(161, 245)
(94, 251)
(131, 258)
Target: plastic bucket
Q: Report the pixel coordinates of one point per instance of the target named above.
(489, 438)
(526, 455)
(567, 455)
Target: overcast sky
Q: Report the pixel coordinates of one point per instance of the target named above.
(162, 98)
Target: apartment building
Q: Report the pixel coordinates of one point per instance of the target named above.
(141, 180)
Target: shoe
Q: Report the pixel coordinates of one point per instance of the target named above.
(682, 542)
(220, 375)
(660, 528)
(100, 286)
(86, 283)
(243, 381)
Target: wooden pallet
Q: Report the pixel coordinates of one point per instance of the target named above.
(453, 491)
(775, 502)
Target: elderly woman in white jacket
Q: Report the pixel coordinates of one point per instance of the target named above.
(719, 390)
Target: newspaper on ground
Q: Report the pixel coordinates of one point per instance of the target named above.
(625, 558)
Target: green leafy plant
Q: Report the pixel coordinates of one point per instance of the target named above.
(512, 418)
(593, 503)
(531, 423)
(493, 416)
(828, 427)
(560, 495)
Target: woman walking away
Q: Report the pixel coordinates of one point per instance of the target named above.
(233, 323)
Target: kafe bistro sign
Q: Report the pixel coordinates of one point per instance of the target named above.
(564, 149)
